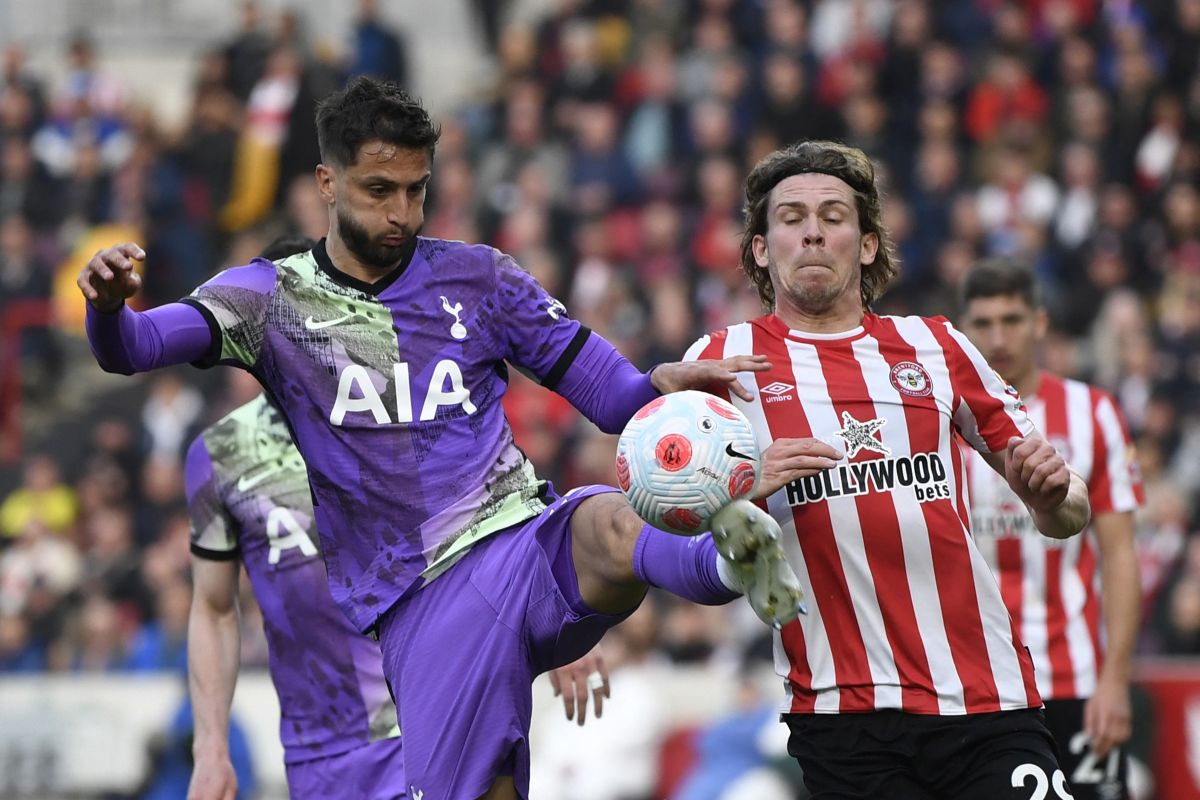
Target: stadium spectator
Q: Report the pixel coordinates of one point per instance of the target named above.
(1007, 97)
(257, 166)
(17, 651)
(21, 92)
(379, 50)
(42, 497)
(248, 51)
(94, 641)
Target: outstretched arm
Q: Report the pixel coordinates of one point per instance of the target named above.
(609, 390)
(214, 650)
(124, 340)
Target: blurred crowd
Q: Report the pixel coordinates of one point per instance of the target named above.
(606, 154)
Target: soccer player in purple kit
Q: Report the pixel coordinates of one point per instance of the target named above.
(249, 502)
(386, 354)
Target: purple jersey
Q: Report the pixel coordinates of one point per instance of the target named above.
(248, 497)
(392, 392)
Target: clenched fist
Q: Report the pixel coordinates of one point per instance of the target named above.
(1037, 473)
(109, 278)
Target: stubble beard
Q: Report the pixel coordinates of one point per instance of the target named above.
(369, 252)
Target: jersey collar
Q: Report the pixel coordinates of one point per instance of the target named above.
(376, 288)
(780, 328)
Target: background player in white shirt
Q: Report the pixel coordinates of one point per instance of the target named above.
(1058, 592)
(907, 678)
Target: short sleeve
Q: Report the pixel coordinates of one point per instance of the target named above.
(698, 349)
(1115, 483)
(234, 304)
(542, 339)
(213, 534)
(988, 411)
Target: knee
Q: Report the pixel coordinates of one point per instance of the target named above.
(606, 529)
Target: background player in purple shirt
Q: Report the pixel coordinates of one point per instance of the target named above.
(386, 353)
(249, 502)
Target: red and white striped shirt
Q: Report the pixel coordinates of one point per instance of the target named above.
(1051, 586)
(903, 610)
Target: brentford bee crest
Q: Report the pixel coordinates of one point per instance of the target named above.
(910, 378)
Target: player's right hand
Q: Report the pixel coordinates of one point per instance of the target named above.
(213, 778)
(109, 278)
(787, 460)
(576, 680)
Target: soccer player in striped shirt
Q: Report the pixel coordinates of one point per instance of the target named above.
(1058, 592)
(387, 354)
(906, 680)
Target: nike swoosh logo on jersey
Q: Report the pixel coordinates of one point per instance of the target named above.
(729, 451)
(245, 484)
(313, 325)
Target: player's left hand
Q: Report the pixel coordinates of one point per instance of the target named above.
(677, 376)
(1037, 473)
(1107, 716)
(576, 680)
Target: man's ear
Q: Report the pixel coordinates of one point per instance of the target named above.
(869, 249)
(327, 183)
(1041, 323)
(758, 247)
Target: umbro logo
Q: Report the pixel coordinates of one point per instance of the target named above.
(777, 391)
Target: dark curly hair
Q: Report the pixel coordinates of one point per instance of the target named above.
(830, 158)
(369, 109)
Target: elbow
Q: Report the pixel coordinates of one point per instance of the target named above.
(114, 366)
(607, 426)
(119, 369)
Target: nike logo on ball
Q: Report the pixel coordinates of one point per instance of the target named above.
(729, 451)
(313, 325)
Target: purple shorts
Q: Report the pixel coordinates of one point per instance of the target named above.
(461, 654)
(374, 771)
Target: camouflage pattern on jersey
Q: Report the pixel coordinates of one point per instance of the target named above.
(393, 394)
(249, 496)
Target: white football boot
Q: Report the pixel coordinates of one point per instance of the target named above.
(749, 542)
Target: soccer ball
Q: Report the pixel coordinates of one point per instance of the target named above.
(685, 456)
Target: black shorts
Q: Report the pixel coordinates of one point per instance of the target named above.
(890, 755)
(1090, 778)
